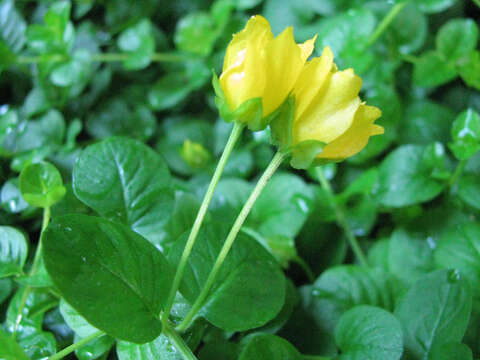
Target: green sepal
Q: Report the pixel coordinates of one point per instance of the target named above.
(305, 153)
(282, 125)
(249, 113)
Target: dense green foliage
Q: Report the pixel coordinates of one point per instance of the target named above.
(108, 128)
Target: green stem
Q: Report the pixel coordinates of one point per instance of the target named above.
(69, 349)
(341, 220)
(385, 23)
(102, 57)
(232, 140)
(178, 342)
(33, 270)
(458, 171)
(199, 302)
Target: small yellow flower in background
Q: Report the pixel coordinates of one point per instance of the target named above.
(327, 110)
(259, 66)
(194, 154)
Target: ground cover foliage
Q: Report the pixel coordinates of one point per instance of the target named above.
(109, 133)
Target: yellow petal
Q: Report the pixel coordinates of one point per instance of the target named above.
(311, 80)
(307, 48)
(331, 111)
(284, 62)
(257, 28)
(243, 77)
(356, 137)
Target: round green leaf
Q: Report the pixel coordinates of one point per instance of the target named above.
(9, 349)
(457, 38)
(95, 348)
(112, 276)
(268, 347)
(404, 178)
(367, 332)
(13, 251)
(466, 134)
(433, 69)
(469, 190)
(41, 184)
(249, 279)
(196, 33)
(434, 6)
(459, 248)
(342, 287)
(126, 181)
(159, 349)
(436, 310)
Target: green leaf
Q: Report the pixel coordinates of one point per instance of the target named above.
(95, 348)
(138, 42)
(458, 249)
(74, 71)
(404, 179)
(11, 198)
(9, 349)
(76, 321)
(39, 345)
(117, 118)
(174, 87)
(12, 27)
(93, 260)
(41, 184)
(13, 251)
(5, 289)
(433, 69)
(435, 6)
(268, 347)
(469, 190)
(159, 349)
(450, 351)
(282, 207)
(469, 68)
(426, 122)
(410, 255)
(435, 311)
(409, 29)
(196, 33)
(466, 135)
(367, 332)
(457, 38)
(249, 279)
(126, 181)
(342, 287)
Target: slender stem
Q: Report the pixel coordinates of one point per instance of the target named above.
(458, 171)
(232, 140)
(178, 342)
(341, 220)
(101, 57)
(199, 302)
(69, 349)
(385, 23)
(33, 270)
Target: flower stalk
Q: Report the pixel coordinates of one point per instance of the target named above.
(232, 140)
(242, 216)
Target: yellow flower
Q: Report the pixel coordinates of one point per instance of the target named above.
(257, 65)
(329, 110)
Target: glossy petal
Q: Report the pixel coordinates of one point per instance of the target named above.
(243, 77)
(311, 80)
(256, 27)
(284, 64)
(356, 137)
(307, 48)
(332, 110)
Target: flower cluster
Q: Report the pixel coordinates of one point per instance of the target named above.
(314, 109)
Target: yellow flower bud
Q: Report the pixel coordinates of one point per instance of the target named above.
(194, 154)
(329, 110)
(257, 65)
